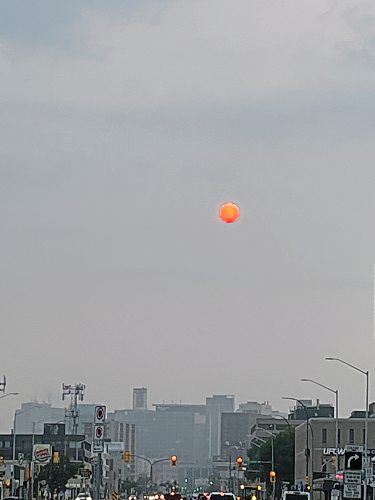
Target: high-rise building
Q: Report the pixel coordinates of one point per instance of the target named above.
(140, 398)
(215, 406)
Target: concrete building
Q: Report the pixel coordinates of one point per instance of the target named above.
(140, 398)
(310, 410)
(215, 407)
(322, 443)
(255, 408)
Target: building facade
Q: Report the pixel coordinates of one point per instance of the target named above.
(321, 437)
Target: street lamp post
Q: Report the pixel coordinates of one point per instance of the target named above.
(272, 454)
(366, 373)
(151, 463)
(9, 394)
(307, 449)
(14, 439)
(336, 393)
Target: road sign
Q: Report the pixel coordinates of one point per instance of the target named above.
(99, 431)
(352, 491)
(97, 446)
(86, 473)
(20, 458)
(100, 414)
(353, 460)
(353, 477)
(353, 447)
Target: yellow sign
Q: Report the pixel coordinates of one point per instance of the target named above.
(114, 495)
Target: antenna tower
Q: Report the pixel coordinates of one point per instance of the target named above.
(76, 393)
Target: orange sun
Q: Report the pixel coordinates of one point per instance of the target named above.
(229, 212)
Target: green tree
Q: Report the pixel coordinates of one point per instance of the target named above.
(283, 457)
(57, 475)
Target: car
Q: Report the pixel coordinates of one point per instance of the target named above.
(83, 496)
(222, 495)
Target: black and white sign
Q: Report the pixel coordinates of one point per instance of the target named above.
(353, 477)
(100, 414)
(353, 460)
(97, 446)
(352, 491)
(86, 473)
(99, 431)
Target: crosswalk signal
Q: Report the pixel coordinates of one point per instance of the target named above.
(174, 460)
(273, 476)
(126, 456)
(239, 462)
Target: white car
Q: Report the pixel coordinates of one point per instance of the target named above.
(83, 496)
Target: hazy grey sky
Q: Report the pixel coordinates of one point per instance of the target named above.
(124, 125)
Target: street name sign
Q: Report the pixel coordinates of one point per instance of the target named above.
(353, 460)
(354, 447)
(352, 477)
(352, 491)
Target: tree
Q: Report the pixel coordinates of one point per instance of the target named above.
(283, 455)
(57, 475)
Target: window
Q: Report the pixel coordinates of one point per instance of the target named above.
(324, 436)
(351, 436)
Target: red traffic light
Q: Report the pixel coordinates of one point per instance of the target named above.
(174, 460)
(272, 476)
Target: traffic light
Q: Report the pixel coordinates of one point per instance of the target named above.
(259, 487)
(56, 457)
(126, 456)
(2, 460)
(239, 462)
(272, 476)
(174, 460)
(334, 461)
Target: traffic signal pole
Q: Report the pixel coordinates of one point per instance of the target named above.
(98, 477)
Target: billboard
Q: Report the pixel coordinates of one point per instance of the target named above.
(42, 453)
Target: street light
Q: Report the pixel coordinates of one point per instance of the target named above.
(14, 437)
(366, 373)
(9, 394)
(336, 392)
(272, 454)
(307, 449)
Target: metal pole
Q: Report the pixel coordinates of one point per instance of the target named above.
(14, 453)
(337, 431)
(366, 436)
(273, 466)
(98, 476)
(32, 464)
(151, 474)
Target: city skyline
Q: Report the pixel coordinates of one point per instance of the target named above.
(125, 126)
